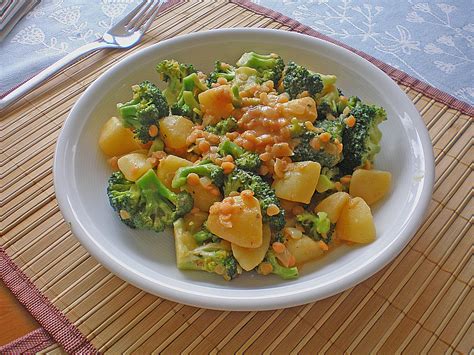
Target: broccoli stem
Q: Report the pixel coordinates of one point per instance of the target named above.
(150, 182)
(255, 60)
(285, 273)
(191, 82)
(210, 170)
(157, 145)
(230, 148)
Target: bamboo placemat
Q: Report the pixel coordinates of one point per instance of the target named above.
(422, 301)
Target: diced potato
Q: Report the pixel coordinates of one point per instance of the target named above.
(333, 205)
(116, 140)
(167, 169)
(356, 224)
(299, 182)
(303, 109)
(248, 258)
(203, 198)
(174, 130)
(371, 185)
(304, 249)
(194, 221)
(134, 165)
(216, 103)
(245, 227)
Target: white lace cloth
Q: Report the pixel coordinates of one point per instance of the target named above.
(433, 41)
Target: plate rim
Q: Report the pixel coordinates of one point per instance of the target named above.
(213, 301)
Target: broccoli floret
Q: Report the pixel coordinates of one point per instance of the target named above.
(146, 203)
(204, 235)
(123, 195)
(270, 66)
(156, 146)
(317, 226)
(173, 73)
(221, 70)
(285, 273)
(212, 171)
(146, 107)
(329, 104)
(327, 179)
(362, 141)
(329, 153)
(244, 159)
(240, 180)
(187, 103)
(297, 79)
(211, 257)
(223, 127)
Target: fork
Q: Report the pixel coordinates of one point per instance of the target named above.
(125, 34)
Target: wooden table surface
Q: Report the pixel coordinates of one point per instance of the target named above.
(15, 321)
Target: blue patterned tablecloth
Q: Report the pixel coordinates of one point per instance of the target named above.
(433, 41)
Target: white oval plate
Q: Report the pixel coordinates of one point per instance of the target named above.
(147, 260)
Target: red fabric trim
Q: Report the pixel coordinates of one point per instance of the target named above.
(31, 343)
(397, 75)
(50, 317)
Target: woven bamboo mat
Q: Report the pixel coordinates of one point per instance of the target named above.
(422, 301)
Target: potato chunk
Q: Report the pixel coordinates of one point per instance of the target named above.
(356, 224)
(203, 198)
(333, 205)
(134, 165)
(299, 182)
(303, 109)
(174, 130)
(167, 169)
(304, 249)
(116, 140)
(238, 220)
(371, 185)
(248, 258)
(216, 103)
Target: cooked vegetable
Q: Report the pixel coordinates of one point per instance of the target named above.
(323, 147)
(223, 127)
(245, 160)
(297, 79)
(216, 104)
(362, 140)
(317, 226)
(304, 249)
(168, 167)
(142, 113)
(240, 180)
(238, 220)
(173, 74)
(285, 273)
(371, 185)
(212, 257)
(187, 102)
(254, 164)
(212, 171)
(298, 182)
(174, 130)
(269, 66)
(333, 205)
(115, 139)
(356, 224)
(134, 165)
(249, 258)
(146, 203)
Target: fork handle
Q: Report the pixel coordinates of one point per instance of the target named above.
(48, 72)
